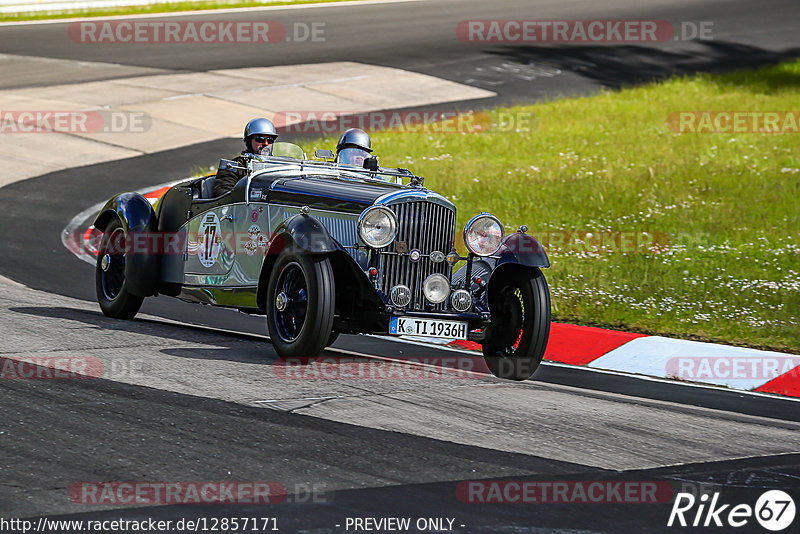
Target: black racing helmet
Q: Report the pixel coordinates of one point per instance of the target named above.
(354, 138)
(259, 127)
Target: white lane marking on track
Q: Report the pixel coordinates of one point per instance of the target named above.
(210, 12)
(662, 356)
(79, 219)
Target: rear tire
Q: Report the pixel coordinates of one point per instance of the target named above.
(301, 296)
(110, 282)
(517, 338)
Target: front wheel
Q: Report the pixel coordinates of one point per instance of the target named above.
(332, 339)
(300, 304)
(517, 337)
(110, 283)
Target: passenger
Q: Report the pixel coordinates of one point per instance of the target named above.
(353, 147)
(259, 136)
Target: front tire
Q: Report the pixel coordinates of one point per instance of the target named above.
(517, 337)
(110, 282)
(332, 339)
(301, 296)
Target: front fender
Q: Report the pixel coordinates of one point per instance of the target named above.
(141, 262)
(304, 232)
(522, 249)
(518, 249)
(308, 234)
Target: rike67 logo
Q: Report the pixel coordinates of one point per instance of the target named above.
(774, 510)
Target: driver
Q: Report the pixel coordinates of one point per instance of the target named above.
(259, 135)
(353, 147)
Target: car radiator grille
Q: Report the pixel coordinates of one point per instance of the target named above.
(427, 227)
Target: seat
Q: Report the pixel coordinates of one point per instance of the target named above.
(207, 187)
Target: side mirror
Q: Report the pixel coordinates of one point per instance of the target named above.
(325, 154)
(371, 163)
(226, 164)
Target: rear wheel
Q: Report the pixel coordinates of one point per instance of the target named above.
(517, 338)
(110, 283)
(300, 304)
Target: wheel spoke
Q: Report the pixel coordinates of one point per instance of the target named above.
(521, 303)
(292, 284)
(301, 297)
(286, 283)
(114, 278)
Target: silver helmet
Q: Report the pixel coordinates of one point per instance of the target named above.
(354, 138)
(259, 127)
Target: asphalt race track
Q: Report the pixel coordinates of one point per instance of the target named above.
(198, 394)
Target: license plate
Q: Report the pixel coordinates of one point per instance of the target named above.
(413, 326)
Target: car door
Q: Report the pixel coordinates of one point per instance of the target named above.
(252, 237)
(211, 246)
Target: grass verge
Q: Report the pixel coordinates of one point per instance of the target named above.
(709, 222)
(171, 7)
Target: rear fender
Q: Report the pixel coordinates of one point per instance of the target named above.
(141, 262)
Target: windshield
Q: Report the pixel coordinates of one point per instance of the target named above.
(352, 156)
(307, 169)
(288, 150)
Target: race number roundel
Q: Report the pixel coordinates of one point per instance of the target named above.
(208, 240)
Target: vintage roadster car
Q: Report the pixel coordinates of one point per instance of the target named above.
(323, 248)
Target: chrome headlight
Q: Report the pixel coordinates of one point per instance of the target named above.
(436, 288)
(377, 226)
(483, 234)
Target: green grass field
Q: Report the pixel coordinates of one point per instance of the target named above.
(722, 208)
